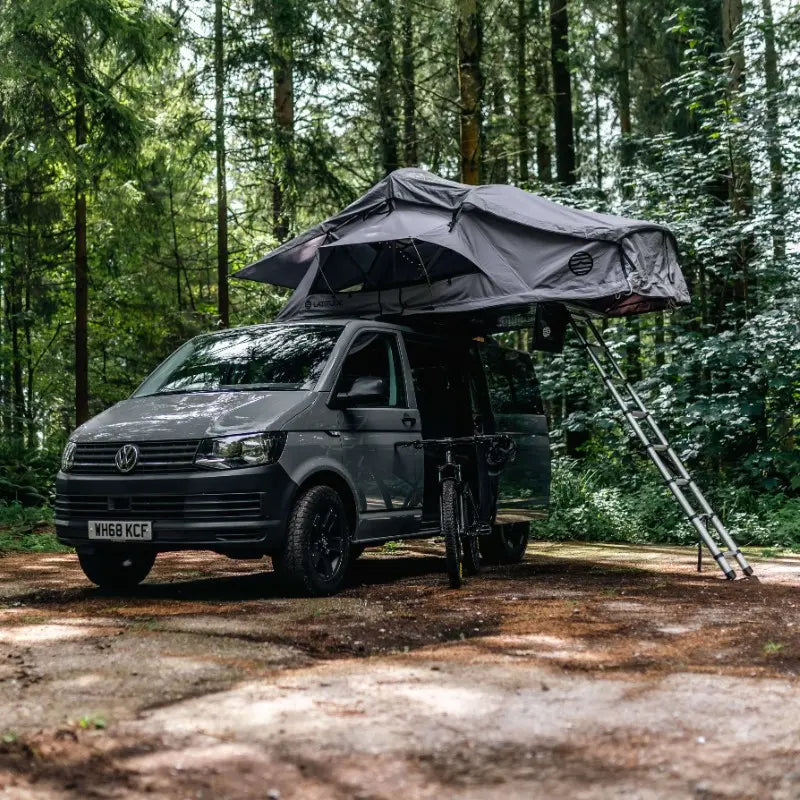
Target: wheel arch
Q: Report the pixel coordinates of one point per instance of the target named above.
(334, 479)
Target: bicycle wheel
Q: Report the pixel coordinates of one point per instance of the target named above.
(469, 544)
(452, 543)
(472, 555)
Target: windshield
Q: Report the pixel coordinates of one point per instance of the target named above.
(269, 357)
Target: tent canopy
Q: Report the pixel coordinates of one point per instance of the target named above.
(418, 244)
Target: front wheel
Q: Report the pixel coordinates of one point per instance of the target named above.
(317, 548)
(452, 542)
(116, 567)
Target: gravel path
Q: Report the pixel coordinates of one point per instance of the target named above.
(588, 671)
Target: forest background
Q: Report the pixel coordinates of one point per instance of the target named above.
(150, 148)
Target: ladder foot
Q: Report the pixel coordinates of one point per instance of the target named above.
(748, 570)
(730, 574)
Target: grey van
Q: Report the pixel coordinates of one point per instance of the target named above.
(286, 440)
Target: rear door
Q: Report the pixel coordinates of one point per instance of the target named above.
(388, 477)
(524, 484)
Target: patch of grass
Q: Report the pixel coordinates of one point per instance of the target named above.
(9, 737)
(771, 648)
(390, 547)
(27, 529)
(92, 722)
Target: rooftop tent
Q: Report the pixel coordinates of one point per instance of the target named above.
(418, 244)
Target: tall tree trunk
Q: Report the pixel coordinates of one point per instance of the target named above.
(499, 164)
(222, 186)
(408, 72)
(544, 102)
(624, 97)
(180, 267)
(283, 118)
(81, 273)
(386, 95)
(562, 90)
(30, 420)
(13, 315)
(469, 31)
(740, 184)
(772, 84)
(523, 101)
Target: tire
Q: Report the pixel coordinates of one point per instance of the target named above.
(472, 554)
(316, 553)
(469, 544)
(117, 568)
(452, 544)
(506, 545)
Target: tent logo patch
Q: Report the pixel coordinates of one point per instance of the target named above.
(581, 263)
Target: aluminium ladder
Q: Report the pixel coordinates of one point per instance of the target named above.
(669, 464)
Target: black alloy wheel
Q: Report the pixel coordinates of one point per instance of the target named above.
(317, 549)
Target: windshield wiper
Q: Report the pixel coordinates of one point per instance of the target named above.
(258, 387)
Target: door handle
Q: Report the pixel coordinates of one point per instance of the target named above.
(409, 421)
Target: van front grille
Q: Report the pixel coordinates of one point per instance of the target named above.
(166, 456)
(191, 507)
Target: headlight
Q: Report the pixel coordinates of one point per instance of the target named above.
(249, 450)
(68, 457)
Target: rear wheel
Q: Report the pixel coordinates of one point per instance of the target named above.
(506, 544)
(117, 568)
(317, 549)
(356, 551)
(452, 543)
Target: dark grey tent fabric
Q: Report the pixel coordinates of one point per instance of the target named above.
(418, 244)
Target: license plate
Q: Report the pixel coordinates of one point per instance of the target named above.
(136, 531)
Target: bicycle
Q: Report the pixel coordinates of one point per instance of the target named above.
(460, 518)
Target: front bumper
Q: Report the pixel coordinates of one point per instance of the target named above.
(242, 509)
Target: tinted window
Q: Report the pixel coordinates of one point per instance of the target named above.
(441, 375)
(513, 387)
(375, 355)
(271, 357)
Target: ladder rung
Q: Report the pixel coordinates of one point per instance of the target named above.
(659, 448)
(637, 414)
(678, 481)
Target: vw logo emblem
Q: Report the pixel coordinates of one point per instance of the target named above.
(126, 457)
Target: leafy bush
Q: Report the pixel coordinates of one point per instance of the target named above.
(27, 528)
(27, 476)
(587, 504)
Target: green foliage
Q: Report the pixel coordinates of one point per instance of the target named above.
(26, 475)
(27, 529)
(723, 375)
(592, 503)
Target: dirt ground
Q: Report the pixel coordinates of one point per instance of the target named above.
(585, 672)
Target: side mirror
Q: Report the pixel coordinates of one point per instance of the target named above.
(365, 390)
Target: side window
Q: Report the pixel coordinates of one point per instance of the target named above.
(511, 377)
(440, 372)
(375, 355)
